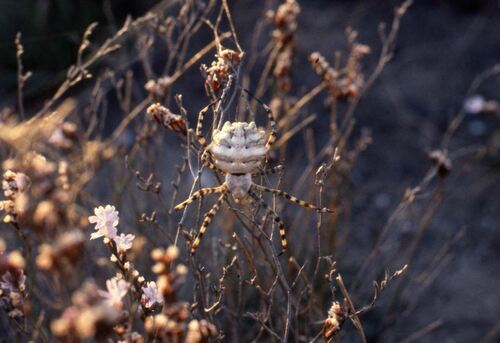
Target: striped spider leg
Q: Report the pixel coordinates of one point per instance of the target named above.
(206, 221)
(277, 219)
(270, 116)
(209, 215)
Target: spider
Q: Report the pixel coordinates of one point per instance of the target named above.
(239, 151)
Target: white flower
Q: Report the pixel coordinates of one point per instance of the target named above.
(151, 294)
(124, 242)
(474, 104)
(105, 220)
(117, 289)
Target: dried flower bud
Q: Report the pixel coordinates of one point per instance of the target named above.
(46, 216)
(218, 74)
(181, 269)
(156, 254)
(14, 183)
(333, 323)
(172, 253)
(88, 317)
(171, 121)
(441, 161)
(16, 260)
(152, 324)
(64, 135)
(200, 331)
(344, 83)
(158, 89)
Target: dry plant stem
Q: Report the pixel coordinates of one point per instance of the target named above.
(176, 183)
(280, 274)
(386, 54)
(287, 289)
(203, 292)
(352, 311)
(378, 287)
(320, 182)
(231, 25)
(459, 117)
(221, 287)
(491, 334)
(385, 230)
(296, 129)
(261, 85)
(430, 174)
(297, 106)
(183, 39)
(414, 337)
(138, 109)
(424, 223)
(254, 275)
(27, 251)
(120, 263)
(193, 60)
(79, 71)
(438, 263)
(288, 313)
(380, 239)
(254, 46)
(21, 76)
(188, 144)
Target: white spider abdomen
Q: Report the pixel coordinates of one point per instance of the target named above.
(239, 185)
(239, 147)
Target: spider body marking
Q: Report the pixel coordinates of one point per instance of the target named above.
(239, 150)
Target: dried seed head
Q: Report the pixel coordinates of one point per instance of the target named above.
(200, 331)
(344, 83)
(63, 254)
(46, 216)
(165, 117)
(89, 316)
(172, 253)
(218, 74)
(14, 183)
(333, 324)
(158, 89)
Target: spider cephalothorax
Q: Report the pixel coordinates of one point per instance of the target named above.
(239, 151)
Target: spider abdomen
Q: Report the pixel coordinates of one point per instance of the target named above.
(239, 147)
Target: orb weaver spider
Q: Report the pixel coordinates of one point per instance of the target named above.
(238, 150)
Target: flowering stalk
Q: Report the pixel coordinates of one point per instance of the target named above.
(106, 220)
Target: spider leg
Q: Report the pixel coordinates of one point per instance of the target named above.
(206, 221)
(272, 136)
(270, 171)
(199, 126)
(277, 219)
(200, 194)
(208, 163)
(292, 199)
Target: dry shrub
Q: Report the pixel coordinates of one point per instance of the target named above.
(91, 145)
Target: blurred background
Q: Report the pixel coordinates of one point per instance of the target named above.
(442, 46)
